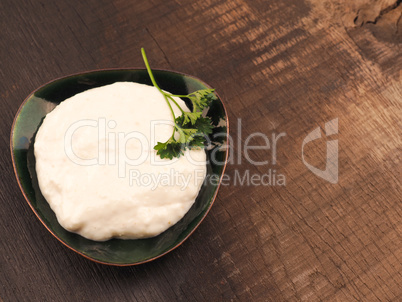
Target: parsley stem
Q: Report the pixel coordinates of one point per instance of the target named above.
(174, 101)
(190, 126)
(180, 96)
(171, 110)
(144, 57)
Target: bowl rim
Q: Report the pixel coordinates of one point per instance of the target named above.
(106, 70)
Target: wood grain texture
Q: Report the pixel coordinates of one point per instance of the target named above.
(281, 67)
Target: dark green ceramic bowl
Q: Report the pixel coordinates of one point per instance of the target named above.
(115, 251)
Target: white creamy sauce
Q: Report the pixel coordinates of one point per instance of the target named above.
(97, 168)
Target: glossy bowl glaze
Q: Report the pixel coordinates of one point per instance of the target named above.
(115, 251)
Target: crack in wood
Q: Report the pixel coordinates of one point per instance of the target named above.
(364, 14)
(157, 44)
(386, 10)
(397, 24)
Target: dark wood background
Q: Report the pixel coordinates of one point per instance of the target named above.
(280, 66)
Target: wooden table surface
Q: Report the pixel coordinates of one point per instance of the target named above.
(283, 68)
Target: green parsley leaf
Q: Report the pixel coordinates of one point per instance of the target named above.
(203, 125)
(201, 98)
(191, 117)
(169, 149)
(192, 127)
(198, 141)
(186, 135)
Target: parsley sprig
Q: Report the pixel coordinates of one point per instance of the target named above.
(191, 126)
